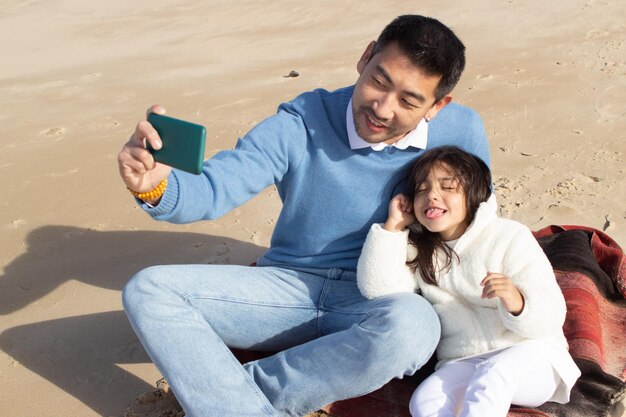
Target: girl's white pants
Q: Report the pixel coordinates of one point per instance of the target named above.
(487, 385)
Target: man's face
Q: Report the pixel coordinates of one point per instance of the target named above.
(392, 95)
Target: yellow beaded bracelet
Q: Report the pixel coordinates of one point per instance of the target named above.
(153, 194)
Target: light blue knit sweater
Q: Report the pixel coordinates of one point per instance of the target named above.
(331, 194)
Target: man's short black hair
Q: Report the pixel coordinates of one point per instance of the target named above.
(430, 45)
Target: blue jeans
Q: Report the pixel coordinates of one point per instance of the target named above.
(333, 343)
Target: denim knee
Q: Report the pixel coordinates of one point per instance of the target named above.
(140, 288)
(414, 324)
(409, 330)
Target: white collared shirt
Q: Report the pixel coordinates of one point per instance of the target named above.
(418, 137)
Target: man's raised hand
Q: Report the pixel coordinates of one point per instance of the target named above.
(137, 167)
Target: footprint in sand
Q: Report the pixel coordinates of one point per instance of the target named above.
(569, 188)
(53, 131)
(595, 34)
(609, 105)
(561, 210)
(612, 58)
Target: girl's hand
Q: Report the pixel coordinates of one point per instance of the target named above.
(400, 214)
(501, 286)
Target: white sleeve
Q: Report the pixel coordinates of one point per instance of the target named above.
(382, 268)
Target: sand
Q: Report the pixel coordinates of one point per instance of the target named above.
(76, 76)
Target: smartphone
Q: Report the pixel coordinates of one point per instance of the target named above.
(183, 143)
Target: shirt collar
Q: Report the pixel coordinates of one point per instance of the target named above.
(418, 137)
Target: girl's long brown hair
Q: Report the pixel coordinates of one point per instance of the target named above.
(474, 179)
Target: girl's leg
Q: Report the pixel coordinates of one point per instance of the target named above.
(538, 382)
(441, 394)
(520, 374)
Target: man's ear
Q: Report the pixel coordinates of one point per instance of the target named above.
(360, 66)
(432, 112)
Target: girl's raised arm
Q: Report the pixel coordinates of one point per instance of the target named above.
(382, 268)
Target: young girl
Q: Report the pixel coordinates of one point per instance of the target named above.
(500, 308)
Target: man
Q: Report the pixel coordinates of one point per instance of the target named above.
(336, 159)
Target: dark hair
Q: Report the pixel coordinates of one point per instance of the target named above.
(474, 179)
(430, 45)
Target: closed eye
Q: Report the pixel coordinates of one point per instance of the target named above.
(449, 184)
(377, 82)
(409, 104)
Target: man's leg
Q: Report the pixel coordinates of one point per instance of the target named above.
(187, 315)
(339, 344)
(363, 344)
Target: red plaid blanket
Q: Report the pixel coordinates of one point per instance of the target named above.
(591, 271)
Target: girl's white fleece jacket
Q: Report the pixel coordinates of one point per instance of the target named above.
(471, 325)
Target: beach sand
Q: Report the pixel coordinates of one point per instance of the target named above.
(548, 78)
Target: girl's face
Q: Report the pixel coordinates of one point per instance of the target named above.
(440, 205)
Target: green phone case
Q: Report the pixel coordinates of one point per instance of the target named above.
(183, 143)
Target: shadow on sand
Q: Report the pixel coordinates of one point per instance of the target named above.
(82, 354)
